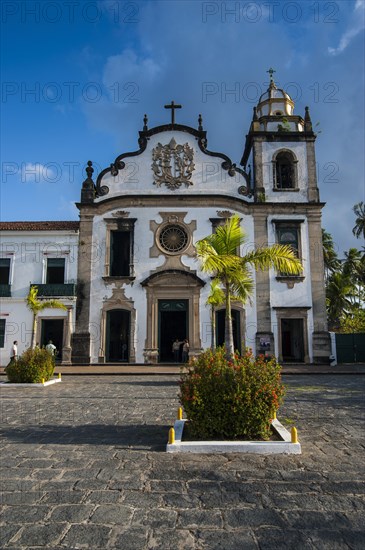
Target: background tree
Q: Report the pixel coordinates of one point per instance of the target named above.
(35, 305)
(345, 280)
(354, 323)
(359, 228)
(331, 261)
(217, 254)
(353, 270)
(338, 299)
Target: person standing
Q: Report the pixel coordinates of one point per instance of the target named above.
(176, 349)
(14, 351)
(51, 348)
(185, 351)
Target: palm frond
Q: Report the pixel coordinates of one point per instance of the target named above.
(216, 296)
(54, 304)
(242, 288)
(278, 256)
(359, 228)
(211, 260)
(35, 305)
(228, 237)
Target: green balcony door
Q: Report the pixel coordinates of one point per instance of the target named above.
(172, 324)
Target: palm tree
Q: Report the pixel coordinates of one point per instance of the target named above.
(338, 298)
(35, 305)
(217, 254)
(359, 211)
(215, 298)
(353, 269)
(331, 261)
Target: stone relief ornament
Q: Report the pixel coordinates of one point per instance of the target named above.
(224, 213)
(120, 214)
(173, 165)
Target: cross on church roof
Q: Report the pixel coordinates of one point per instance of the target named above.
(271, 72)
(173, 107)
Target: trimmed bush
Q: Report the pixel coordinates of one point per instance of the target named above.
(231, 399)
(31, 367)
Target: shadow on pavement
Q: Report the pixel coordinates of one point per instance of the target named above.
(144, 437)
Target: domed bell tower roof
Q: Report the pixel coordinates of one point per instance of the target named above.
(275, 101)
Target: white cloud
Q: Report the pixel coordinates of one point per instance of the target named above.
(134, 69)
(357, 25)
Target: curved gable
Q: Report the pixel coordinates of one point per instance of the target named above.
(172, 160)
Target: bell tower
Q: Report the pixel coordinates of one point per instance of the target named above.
(280, 154)
(280, 150)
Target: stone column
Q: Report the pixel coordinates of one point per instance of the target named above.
(66, 350)
(194, 324)
(101, 354)
(258, 168)
(313, 193)
(150, 351)
(321, 337)
(263, 306)
(81, 337)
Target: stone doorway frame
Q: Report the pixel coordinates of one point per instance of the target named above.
(118, 301)
(172, 285)
(293, 313)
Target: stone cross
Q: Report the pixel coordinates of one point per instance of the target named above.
(173, 107)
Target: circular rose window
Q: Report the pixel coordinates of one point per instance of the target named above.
(173, 238)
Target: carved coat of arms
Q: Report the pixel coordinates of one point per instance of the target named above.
(173, 165)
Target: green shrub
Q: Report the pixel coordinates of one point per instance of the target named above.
(31, 367)
(231, 399)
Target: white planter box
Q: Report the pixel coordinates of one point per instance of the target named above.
(285, 446)
(48, 383)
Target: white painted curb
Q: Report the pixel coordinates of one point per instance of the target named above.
(259, 447)
(48, 383)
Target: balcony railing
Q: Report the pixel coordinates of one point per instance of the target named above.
(66, 289)
(5, 291)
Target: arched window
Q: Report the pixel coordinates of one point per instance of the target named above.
(285, 171)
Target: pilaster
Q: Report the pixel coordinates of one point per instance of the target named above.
(263, 308)
(321, 337)
(258, 167)
(313, 193)
(67, 350)
(81, 337)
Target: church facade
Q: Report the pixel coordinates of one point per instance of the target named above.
(137, 284)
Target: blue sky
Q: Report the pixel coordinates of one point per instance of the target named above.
(79, 76)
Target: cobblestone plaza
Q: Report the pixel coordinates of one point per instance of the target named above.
(83, 466)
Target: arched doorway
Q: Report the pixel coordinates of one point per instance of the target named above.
(172, 312)
(173, 323)
(118, 336)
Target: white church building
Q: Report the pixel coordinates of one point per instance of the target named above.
(127, 271)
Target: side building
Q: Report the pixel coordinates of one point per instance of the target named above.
(42, 254)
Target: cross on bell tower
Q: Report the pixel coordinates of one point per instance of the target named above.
(271, 71)
(173, 106)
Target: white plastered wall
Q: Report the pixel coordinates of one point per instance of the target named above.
(28, 252)
(144, 266)
(300, 295)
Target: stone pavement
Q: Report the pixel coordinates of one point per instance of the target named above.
(175, 369)
(83, 466)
